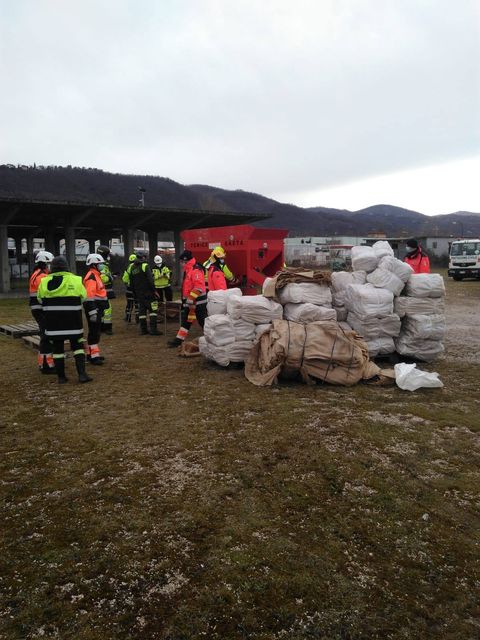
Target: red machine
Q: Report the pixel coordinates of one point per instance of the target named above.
(252, 253)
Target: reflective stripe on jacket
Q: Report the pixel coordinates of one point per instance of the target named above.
(161, 277)
(61, 295)
(193, 284)
(96, 292)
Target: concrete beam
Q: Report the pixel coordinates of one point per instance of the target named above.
(4, 264)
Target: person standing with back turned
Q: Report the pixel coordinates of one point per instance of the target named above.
(44, 358)
(61, 294)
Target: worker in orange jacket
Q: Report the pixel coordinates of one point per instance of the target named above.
(44, 356)
(194, 297)
(416, 258)
(216, 276)
(94, 306)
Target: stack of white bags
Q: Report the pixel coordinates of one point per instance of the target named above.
(422, 310)
(306, 302)
(392, 308)
(233, 323)
(370, 300)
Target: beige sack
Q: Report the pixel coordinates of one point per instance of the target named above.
(318, 350)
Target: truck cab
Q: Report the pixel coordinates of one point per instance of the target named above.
(464, 259)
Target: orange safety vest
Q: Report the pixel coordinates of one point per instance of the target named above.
(216, 279)
(193, 284)
(96, 291)
(33, 285)
(419, 262)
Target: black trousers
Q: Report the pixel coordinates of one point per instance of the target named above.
(94, 328)
(76, 345)
(45, 344)
(200, 313)
(167, 296)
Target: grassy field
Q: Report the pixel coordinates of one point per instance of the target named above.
(170, 499)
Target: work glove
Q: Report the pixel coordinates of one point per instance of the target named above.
(191, 314)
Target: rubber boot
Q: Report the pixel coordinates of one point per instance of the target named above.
(153, 327)
(46, 368)
(60, 370)
(80, 364)
(143, 327)
(176, 342)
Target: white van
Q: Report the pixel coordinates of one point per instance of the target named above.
(464, 260)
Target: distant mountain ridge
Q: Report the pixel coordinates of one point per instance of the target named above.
(77, 184)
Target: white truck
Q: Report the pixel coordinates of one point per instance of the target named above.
(464, 259)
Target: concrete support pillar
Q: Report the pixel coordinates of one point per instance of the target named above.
(50, 241)
(128, 234)
(70, 247)
(105, 240)
(178, 250)
(18, 253)
(4, 264)
(152, 244)
(30, 257)
(91, 245)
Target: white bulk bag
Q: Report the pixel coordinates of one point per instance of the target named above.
(300, 292)
(382, 248)
(341, 279)
(243, 330)
(372, 328)
(425, 327)
(307, 312)
(218, 330)
(364, 259)
(385, 279)
(365, 300)
(217, 300)
(257, 309)
(408, 305)
(427, 350)
(425, 285)
(234, 352)
(380, 346)
(401, 269)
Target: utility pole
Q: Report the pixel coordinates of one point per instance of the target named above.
(142, 196)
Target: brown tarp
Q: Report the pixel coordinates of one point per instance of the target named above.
(295, 275)
(315, 351)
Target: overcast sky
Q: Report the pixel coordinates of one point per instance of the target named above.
(341, 103)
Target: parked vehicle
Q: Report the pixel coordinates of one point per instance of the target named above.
(464, 259)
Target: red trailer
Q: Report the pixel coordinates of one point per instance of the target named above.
(252, 253)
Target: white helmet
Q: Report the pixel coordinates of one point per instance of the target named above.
(94, 258)
(44, 256)
(158, 260)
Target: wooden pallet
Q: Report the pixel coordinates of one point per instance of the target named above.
(20, 330)
(32, 341)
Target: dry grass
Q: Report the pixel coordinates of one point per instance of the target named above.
(170, 499)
